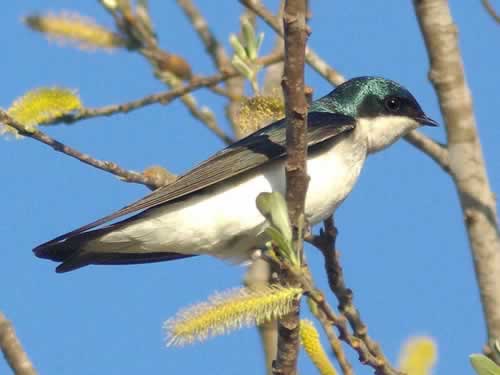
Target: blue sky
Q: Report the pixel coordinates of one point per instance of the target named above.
(402, 241)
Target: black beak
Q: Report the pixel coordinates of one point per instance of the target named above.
(424, 120)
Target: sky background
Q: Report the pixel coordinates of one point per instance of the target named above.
(404, 249)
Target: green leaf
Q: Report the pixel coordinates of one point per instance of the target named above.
(239, 50)
(281, 242)
(249, 39)
(483, 365)
(260, 39)
(243, 67)
(273, 207)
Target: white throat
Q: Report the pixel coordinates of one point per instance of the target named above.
(381, 132)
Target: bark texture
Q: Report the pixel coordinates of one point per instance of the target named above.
(466, 163)
(12, 350)
(296, 33)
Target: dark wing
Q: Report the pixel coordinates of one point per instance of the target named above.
(266, 144)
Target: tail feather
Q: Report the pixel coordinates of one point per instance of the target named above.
(73, 253)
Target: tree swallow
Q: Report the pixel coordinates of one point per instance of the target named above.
(211, 209)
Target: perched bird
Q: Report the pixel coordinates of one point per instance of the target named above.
(211, 209)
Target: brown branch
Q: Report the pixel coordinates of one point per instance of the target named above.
(296, 33)
(113, 168)
(216, 51)
(491, 11)
(204, 114)
(163, 97)
(169, 68)
(334, 342)
(304, 280)
(325, 242)
(467, 165)
(12, 349)
(200, 25)
(365, 356)
(326, 323)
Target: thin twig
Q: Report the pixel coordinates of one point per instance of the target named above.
(12, 349)
(304, 279)
(365, 356)
(491, 11)
(220, 58)
(168, 68)
(334, 342)
(326, 323)
(325, 242)
(204, 114)
(212, 45)
(163, 97)
(113, 168)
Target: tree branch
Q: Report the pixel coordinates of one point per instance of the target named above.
(162, 98)
(168, 68)
(326, 323)
(296, 33)
(467, 165)
(200, 25)
(12, 349)
(305, 281)
(491, 11)
(325, 242)
(113, 168)
(165, 97)
(222, 62)
(335, 343)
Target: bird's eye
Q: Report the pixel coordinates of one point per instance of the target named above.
(392, 104)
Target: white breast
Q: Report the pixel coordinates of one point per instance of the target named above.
(225, 221)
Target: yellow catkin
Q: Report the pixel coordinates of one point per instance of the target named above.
(74, 28)
(259, 111)
(42, 105)
(418, 356)
(228, 311)
(309, 338)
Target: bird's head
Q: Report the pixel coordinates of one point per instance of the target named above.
(384, 110)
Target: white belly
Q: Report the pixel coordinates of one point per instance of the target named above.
(225, 221)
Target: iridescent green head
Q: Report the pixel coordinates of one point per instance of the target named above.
(370, 97)
(384, 110)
